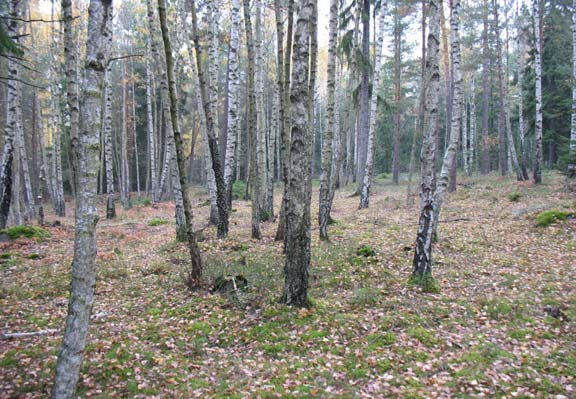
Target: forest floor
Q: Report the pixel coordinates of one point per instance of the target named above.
(502, 326)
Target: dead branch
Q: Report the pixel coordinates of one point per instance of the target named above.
(28, 334)
(23, 82)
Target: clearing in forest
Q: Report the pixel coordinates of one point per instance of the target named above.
(502, 326)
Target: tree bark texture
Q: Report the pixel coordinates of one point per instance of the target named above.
(299, 193)
(422, 263)
(84, 265)
(571, 172)
(485, 166)
(537, 170)
(107, 131)
(367, 177)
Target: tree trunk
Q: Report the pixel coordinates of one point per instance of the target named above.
(501, 113)
(195, 273)
(153, 161)
(252, 117)
(521, 123)
(299, 191)
(367, 180)
(326, 174)
(134, 134)
(485, 167)
(124, 167)
(537, 172)
(233, 103)
(571, 172)
(465, 144)
(107, 130)
(397, 96)
(471, 158)
(362, 134)
(422, 263)
(84, 265)
(451, 152)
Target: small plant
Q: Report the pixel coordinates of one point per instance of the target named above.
(514, 197)
(238, 190)
(546, 218)
(157, 222)
(365, 297)
(26, 231)
(366, 251)
(143, 201)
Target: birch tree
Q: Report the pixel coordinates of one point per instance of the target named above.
(151, 134)
(107, 132)
(124, 168)
(6, 172)
(472, 149)
(195, 273)
(485, 163)
(537, 172)
(457, 96)
(299, 192)
(326, 174)
(367, 175)
(571, 172)
(83, 265)
(521, 122)
(422, 263)
(233, 101)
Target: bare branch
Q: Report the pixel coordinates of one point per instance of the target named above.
(35, 20)
(121, 57)
(23, 82)
(28, 334)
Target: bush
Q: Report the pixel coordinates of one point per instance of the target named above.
(26, 231)
(514, 197)
(157, 222)
(546, 218)
(143, 201)
(238, 190)
(366, 251)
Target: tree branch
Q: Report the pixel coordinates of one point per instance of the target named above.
(23, 82)
(35, 20)
(121, 57)
(27, 334)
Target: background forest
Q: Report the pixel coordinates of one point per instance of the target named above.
(202, 164)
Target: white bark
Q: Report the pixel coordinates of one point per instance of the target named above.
(472, 125)
(367, 176)
(153, 165)
(83, 266)
(108, 160)
(571, 173)
(537, 172)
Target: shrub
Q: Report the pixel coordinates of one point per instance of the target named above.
(546, 218)
(514, 197)
(366, 251)
(26, 231)
(238, 190)
(157, 222)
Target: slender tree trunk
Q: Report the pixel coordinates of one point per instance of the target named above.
(299, 191)
(252, 123)
(571, 172)
(397, 96)
(485, 167)
(465, 144)
(450, 155)
(326, 175)
(107, 130)
(422, 264)
(195, 273)
(134, 134)
(445, 54)
(521, 122)
(233, 103)
(362, 139)
(537, 171)
(367, 181)
(471, 158)
(71, 67)
(124, 168)
(84, 266)
(501, 113)
(286, 129)
(421, 105)
(151, 134)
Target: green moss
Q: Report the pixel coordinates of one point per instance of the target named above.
(546, 218)
(514, 196)
(426, 282)
(157, 222)
(423, 335)
(365, 251)
(26, 231)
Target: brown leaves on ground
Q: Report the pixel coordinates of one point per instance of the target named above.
(491, 332)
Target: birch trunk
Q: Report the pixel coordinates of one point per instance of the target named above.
(362, 133)
(124, 168)
(108, 159)
(326, 175)
(485, 166)
(84, 266)
(422, 263)
(571, 172)
(451, 151)
(299, 191)
(23, 157)
(196, 261)
(71, 67)
(521, 122)
(502, 112)
(537, 172)
(472, 125)
(252, 123)
(367, 180)
(233, 103)
(6, 172)
(134, 134)
(465, 145)
(153, 163)
(397, 94)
